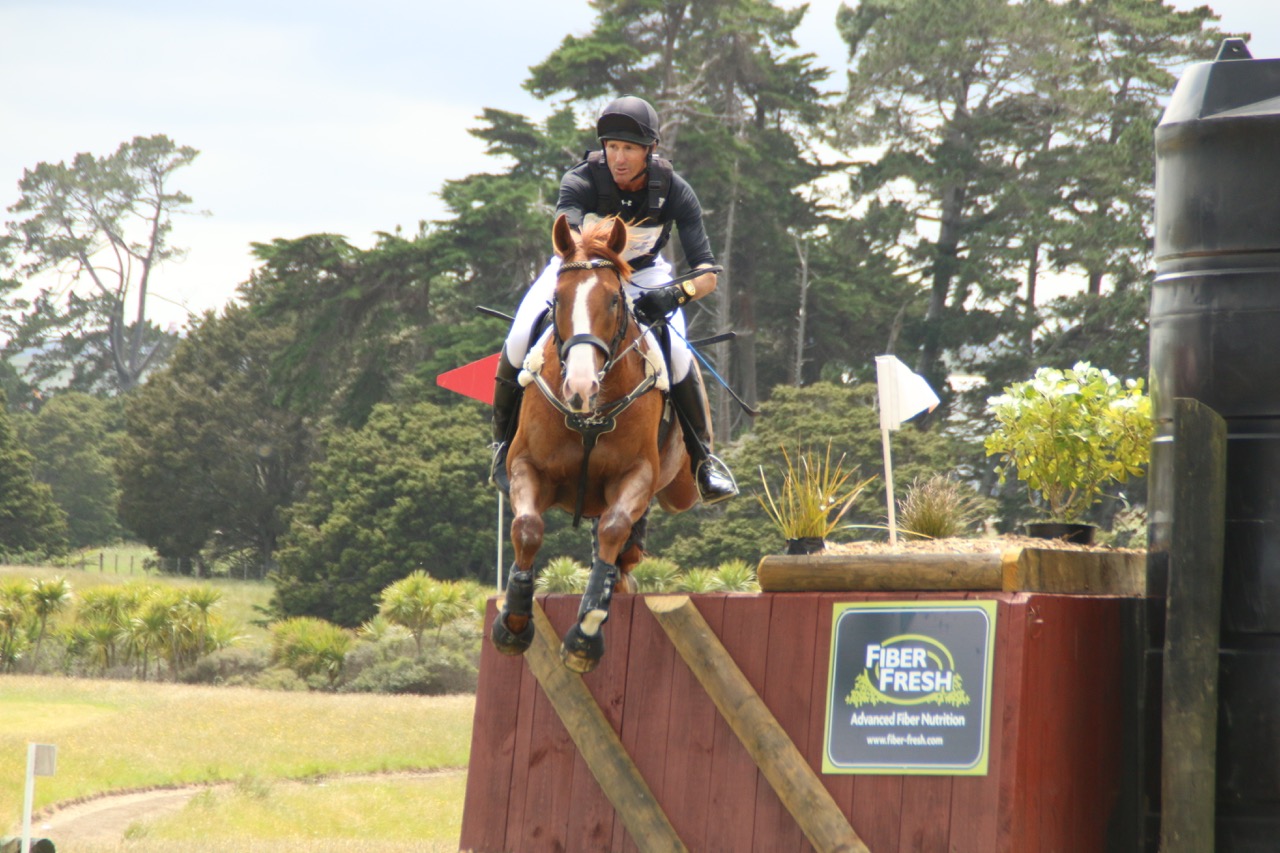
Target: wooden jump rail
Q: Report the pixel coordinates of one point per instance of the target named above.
(1045, 570)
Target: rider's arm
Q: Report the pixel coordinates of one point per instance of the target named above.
(687, 212)
(577, 196)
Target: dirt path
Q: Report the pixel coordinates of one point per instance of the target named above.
(104, 820)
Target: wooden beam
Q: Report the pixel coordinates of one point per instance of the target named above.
(1048, 570)
(799, 788)
(1189, 713)
(879, 572)
(599, 743)
(1074, 572)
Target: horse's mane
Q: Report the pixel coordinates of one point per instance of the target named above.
(594, 244)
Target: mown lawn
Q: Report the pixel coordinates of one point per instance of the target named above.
(126, 735)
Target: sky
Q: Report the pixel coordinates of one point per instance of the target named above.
(321, 116)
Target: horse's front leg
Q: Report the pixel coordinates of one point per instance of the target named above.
(583, 644)
(512, 631)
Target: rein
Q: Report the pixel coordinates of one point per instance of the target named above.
(603, 419)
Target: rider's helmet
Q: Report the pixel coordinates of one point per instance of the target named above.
(629, 119)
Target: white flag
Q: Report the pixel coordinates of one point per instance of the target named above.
(903, 394)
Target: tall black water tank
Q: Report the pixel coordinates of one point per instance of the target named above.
(1215, 337)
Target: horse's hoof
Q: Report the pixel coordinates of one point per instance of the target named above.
(509, 642)
(581, 652)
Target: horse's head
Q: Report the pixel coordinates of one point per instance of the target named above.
(591, 312)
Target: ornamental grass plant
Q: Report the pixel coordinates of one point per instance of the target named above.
(939, 507)
(563, 574)
(814, 495)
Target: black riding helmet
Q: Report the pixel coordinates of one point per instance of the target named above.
(629, 119)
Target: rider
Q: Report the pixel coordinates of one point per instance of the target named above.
(627, 179)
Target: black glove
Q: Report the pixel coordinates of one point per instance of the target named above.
(654, 305)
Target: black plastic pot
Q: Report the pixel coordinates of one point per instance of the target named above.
(1080, 534)
(806, 545)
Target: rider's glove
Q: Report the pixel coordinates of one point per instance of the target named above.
(653, 305)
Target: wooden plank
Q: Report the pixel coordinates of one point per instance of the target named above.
(592, 818)
(839, 785)
(776, 756)
(1074, 572)
(879, 572)
(1189, 713)
(1008, 735)
(730, 819)
(551, 758)
(493, 735)
(646, 708)
(789, 675)
(599, 744)
(1017, 569)
(528, 690)
(926, 819)
(690, 740)
(975, 812)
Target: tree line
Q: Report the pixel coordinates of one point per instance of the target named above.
(983, 149)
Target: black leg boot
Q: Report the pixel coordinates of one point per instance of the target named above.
(715, 480)
(506, 410)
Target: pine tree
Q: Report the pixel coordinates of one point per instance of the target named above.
(30, 521)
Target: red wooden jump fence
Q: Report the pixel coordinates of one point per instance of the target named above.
(1061, 719)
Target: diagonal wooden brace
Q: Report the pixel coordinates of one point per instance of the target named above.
(799, 788)
(599, 744)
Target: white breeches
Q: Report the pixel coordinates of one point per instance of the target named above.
(538, 297)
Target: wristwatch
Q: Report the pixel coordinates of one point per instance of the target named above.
(689, 288)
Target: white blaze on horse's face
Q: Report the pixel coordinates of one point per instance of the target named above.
(581, 376)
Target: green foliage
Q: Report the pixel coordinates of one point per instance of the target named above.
(655, 574)
(940, 508)
(813, 497)
(30, 520)
(696, 580)
(805, 417)
(419, 602)
(1071, 433)
(310, 646)
(209, 459)
(735, 576)
(353, 318)
(563, 574)
(104, 223)
(402, 493)
(1003, 166)
(73, 438)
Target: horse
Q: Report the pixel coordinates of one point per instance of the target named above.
(589, 442)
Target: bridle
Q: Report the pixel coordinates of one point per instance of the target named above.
(609, 349)
(603, 419)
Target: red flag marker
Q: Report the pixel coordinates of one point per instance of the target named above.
(473, 380)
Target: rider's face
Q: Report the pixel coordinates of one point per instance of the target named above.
(627, 162)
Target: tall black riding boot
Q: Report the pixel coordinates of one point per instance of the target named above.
(715, 480)
(506, 410)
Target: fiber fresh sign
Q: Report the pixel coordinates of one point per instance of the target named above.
(909, 691)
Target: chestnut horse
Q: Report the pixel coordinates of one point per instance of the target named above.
(588, 440)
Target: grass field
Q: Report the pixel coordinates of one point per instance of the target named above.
(114, 736)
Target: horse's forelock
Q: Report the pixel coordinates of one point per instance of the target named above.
(595, 244)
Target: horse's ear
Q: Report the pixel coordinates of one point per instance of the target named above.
(562, 236)
(617, 236)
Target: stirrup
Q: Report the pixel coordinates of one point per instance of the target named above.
(498, 468)
(709, 471)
